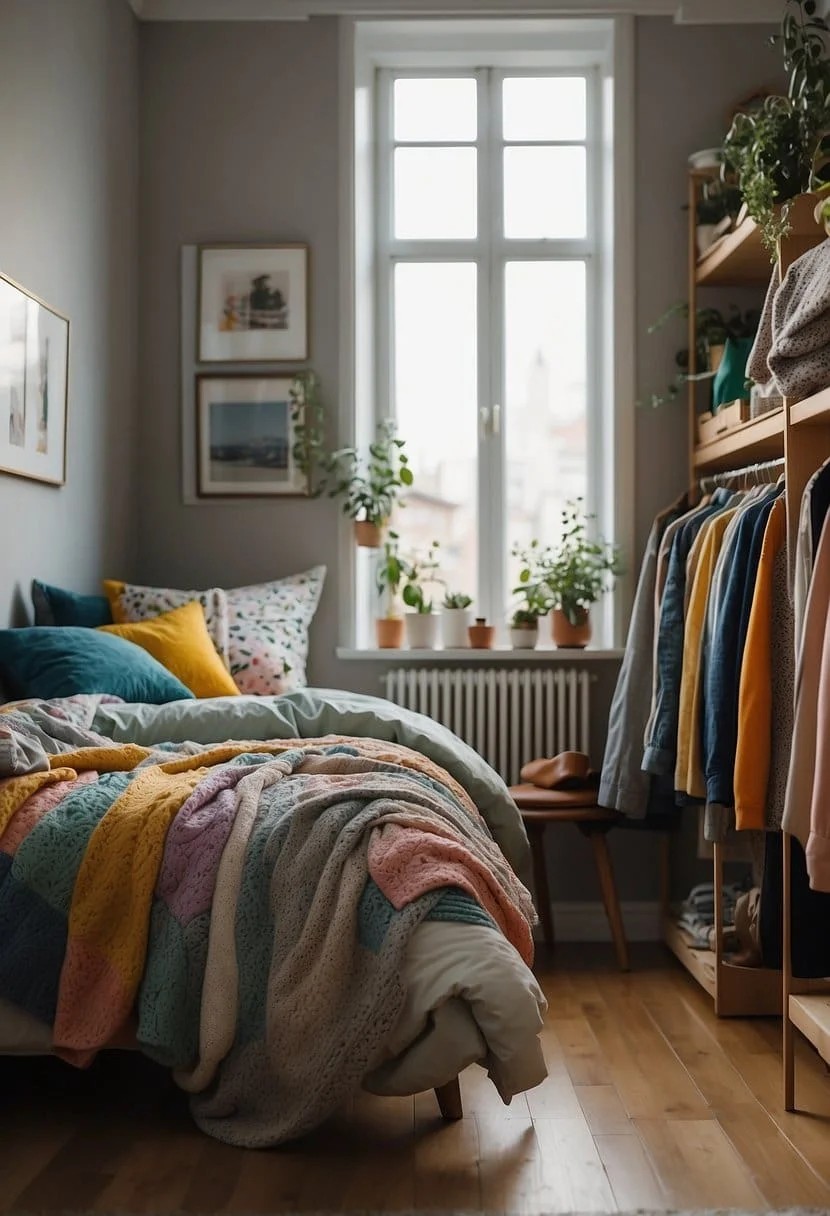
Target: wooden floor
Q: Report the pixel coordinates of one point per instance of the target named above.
(651, 1102)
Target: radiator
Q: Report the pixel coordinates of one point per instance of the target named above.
(507, 716)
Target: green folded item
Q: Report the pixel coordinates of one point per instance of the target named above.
(730, 383)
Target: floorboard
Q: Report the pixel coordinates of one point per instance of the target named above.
(651, 1102)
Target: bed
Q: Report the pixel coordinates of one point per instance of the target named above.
(169, 881)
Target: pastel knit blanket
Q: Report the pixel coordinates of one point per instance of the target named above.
(247, 908)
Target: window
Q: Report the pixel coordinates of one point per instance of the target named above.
(488, 336)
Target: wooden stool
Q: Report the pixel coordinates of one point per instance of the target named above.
(538, 808)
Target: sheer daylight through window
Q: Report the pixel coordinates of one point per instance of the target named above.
(485, 239)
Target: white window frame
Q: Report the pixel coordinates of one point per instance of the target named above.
(602, 50)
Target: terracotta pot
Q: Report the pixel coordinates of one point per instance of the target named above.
(368, 536)
(481, 635)
(389, 631)
(421, 630)
(568, 636)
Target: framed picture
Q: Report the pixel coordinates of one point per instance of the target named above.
(245, 437)
(34, 369)
(253, 303)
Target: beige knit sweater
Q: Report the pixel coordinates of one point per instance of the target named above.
(793, 341)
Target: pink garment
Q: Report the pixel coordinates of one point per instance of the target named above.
(33, 809)
(406, 862)
(807, 807)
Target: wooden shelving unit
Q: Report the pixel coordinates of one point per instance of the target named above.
(812, 411)
(739, 259)
(806, 1003)
(760, 439)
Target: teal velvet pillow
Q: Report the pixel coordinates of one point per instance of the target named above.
(54, 606)
(60, 662)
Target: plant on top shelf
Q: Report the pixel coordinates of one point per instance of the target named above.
(535, 600)
(456, 618)
(712, 329)
(422, 622)
(572, 575)
(371, 487)
(781, 147)
(389, 575)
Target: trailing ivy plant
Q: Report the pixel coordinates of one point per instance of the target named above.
(781, 148)
(309, 431)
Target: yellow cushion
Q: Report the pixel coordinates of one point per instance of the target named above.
(181, 642)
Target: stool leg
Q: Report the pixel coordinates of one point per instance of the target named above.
(449, 1100)
(536, 835)
(602, 857)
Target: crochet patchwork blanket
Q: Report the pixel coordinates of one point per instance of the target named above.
(244, 909)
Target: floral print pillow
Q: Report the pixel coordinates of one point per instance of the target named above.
(260, 631)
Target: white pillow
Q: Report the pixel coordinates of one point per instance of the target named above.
(261, 631)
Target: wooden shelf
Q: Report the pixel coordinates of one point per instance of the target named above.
(740, 258)
(737, 991)
(700, 964)
(811, 1014)
(813, 410)
(758, 440)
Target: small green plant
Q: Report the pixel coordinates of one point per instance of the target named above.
(457, 599)
(535, 600)
(418, 572)
(371, 487)
(573, 574)
(390, 573)
(781, 148)
(712, 328)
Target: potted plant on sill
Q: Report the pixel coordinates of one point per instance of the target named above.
(574, 575)
(535, 598)
(422, 623)
(456, 617)
(371, 487)
(391, 570)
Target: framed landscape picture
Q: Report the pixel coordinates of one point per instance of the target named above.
(245, 437)
(34, 370)
(253, 303)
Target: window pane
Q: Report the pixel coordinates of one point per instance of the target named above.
(435, 193)
(545, 395)
(545, 193)
(552, 107)
(436, 409)
(435, 111)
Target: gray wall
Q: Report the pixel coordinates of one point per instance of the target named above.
(68, 232)
(215, 166)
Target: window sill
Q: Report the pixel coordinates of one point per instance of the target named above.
(501, 654)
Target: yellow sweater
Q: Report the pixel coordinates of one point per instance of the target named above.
(688, 775)
(752, 754)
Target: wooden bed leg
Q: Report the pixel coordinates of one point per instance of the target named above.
(449, 1100)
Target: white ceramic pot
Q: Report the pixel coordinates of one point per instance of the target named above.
(524, 639)
(421, 630)
(454, 624)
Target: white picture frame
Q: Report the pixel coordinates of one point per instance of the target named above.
(253, 304)
(34, 385)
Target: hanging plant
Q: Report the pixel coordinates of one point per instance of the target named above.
(781, 148)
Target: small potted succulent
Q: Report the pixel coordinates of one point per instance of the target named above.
(391, 571)
(456, 617)
(574, 575)
(535, 599)
(371, 487)
(422, 622)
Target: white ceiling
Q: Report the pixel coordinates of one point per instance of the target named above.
(684, 11)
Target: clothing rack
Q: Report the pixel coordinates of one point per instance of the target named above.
(763, 472)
